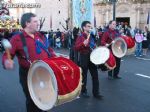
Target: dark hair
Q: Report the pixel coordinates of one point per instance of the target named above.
(84, 23)
(110, 22)
(140, 31)
(75, 32)
(26, 18)
(128, 32)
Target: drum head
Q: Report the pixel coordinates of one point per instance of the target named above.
(99, 55)
(119, 47)
(42, 85)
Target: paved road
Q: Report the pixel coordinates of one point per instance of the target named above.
(129, 94)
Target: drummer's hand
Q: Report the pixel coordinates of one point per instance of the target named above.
(107, 45)
(86, 42)
(9, 64)
(113, 42)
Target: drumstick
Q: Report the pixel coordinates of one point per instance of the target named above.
(7, 46)
(88, 36)
(8, 54)
(110, 43)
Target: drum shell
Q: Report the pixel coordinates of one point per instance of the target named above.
(129, 41)
(67, 85)
(111, 62)
(131, 44)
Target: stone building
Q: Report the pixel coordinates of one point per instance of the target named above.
(134, 12)
(57, 12)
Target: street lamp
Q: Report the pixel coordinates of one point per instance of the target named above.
(114, 8)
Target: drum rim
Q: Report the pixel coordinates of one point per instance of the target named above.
(105, 56)
(50, 105)
(114, 51)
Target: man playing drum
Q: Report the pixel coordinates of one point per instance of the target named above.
(28, 46)
(106, 40)
(84, 45)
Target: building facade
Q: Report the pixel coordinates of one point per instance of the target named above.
(59, 12)
(134, 12)
(55, 12)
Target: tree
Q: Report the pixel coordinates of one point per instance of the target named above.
(66, 27)
(42, 20)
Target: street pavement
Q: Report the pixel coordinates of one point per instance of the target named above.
(129, 94)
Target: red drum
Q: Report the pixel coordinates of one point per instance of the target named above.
(99, 55)
(103, 57)
(111, 62)
(131, 45)
(53, 82)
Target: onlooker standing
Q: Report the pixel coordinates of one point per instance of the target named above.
(139, 38)
(146, 41)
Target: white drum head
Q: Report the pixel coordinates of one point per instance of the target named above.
(119, 47)
(99, 55)
(42, 85)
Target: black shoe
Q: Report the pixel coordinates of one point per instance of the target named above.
(117, 77)
(98, 96)
(85, 95)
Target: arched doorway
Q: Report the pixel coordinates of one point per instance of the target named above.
(123, 14)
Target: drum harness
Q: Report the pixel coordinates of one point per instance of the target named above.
(25, 49)
(110, 35)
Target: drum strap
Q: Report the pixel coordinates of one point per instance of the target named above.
(25, 48)
(111, 35)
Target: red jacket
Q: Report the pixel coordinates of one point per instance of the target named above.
(108, 37)
(17, 49)
(79, 45)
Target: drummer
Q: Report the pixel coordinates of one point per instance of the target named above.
(84, 45)
(109, 35)
(27, 46)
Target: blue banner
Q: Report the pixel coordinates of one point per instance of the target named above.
(82, 11)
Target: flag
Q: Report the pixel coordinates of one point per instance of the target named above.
(82, 12)
(148, 18)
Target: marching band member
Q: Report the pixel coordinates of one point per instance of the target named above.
(84, 44)
(107, 39)
(28, 46)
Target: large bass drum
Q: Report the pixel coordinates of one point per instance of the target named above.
(54, 81)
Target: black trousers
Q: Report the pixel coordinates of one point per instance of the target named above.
(115, 72)
(31, 107)
(86, 65)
